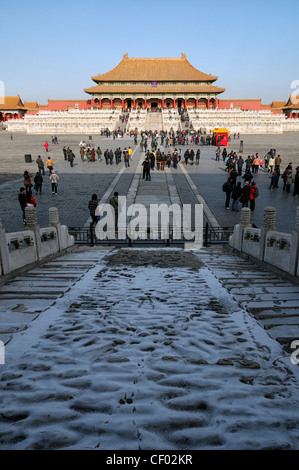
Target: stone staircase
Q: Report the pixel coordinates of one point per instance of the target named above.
(272, 300)
(154, 121)
(26, 296)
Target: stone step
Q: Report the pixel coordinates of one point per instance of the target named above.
(257, 296)
(284, 289)
(270, 299)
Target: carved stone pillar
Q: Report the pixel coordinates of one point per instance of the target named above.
(269, 218)
(268, 224)
(31, 224)
(245, 217)
(53, 217)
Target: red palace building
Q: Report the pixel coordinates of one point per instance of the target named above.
(154, 83)
(149, 83)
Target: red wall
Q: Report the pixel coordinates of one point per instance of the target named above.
(255, 105)
(64, 105)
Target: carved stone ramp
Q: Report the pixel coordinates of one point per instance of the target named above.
(26, 296)
(270, 298)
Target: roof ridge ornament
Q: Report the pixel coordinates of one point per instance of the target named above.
(184, 56)
(125, 56)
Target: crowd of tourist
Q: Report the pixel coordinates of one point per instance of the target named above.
(247, 169)
(165, 150)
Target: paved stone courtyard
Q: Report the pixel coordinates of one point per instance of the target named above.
(143, 348)
(77, 184)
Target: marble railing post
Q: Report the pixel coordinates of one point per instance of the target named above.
(245, 217)
(236, 240)
(4, 255)
(294, 248)
(268, 224)
(31, 224)
(54, 222)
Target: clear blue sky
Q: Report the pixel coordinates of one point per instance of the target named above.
(50, 50)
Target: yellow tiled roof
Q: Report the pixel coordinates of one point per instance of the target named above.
(11, 102)
(154, 69)
(31, 105)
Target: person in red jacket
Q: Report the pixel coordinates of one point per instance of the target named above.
(254, 192)
(46, 145)
(30, 201)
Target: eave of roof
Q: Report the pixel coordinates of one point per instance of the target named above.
(123, 89)
(154, 69)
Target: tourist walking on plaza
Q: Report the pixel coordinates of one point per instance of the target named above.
(163, 161)
(271, 164)
(92, 205)
(82, 154)
(99, 154)
(236, 194)
(50, 165)
(23, 202)
(273, 180)
(240, 165)
(38, 182)
(197, 156)
(244, 199)
(65, 153)
(46, 145)
(256, 163)
(287, 178)
(227, 189)
(27, 181)
(70, 156)
(254, 192)
(126, 158)
(147, 169)
(54, 182)
(40, 165)
(30, 201)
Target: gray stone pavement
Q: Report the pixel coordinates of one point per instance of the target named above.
(78, 183)
(147, 349)
(209, 176)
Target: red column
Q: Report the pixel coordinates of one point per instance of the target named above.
(145, 103)
(216, 103)
(173, 103)
(111, 103)
(134, 103)
(208, 103)
(163, 105)
(185, 103)
(100, 102)
(92, 102)
(196, 103)
(122, 104)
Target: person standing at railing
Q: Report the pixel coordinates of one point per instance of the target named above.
(30, 201)
(23, 202)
